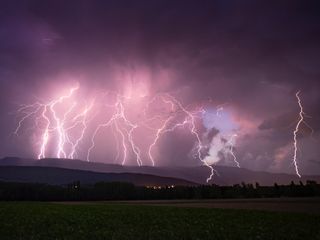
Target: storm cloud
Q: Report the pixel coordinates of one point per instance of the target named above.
(249, 57)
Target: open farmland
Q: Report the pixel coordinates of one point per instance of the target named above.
(301, 205)
(25, 220)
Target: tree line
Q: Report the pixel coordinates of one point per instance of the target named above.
(10, 191)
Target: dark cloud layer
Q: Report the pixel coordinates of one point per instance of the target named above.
(252, 55)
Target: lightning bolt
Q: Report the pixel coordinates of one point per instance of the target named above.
(231, 144)
(301, 120)
(45, 135)
(27, 114)
(125, 130)
(49, 115)
(159, 131)
(295, 132)
(60, 122)
(100, 126)
(84, 122)
(190, 119)
(231, 141)
(64, 123)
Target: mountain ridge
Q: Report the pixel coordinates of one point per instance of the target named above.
(197, 174)
(63, 176)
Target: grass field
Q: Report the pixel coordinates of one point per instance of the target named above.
(117, 221)
(299, 205)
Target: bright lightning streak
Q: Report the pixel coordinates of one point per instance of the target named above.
(45, 135)
(194, 132)
(131, 126)
(83, 122)
(103, 125)
(126, 131)
(295, 132)
(125, 150)
(27, 115)
(301, 121)
(49, 116)
(61, 122)
(158, 133)
(231, 143)
(64, 126)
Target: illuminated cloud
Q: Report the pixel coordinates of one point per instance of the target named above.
(247, 56)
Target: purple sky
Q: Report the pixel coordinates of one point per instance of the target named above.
(247, 59)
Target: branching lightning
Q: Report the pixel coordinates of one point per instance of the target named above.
(124, 127)
(64, 123)
(199, 146)
(54, 122)
(81, 119)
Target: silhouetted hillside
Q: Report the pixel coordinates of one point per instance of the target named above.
(60, 176)
(227, 175)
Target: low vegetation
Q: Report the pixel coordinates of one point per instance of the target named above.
(25, 220)
(127, 191)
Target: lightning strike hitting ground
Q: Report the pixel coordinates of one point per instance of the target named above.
(52, 121)
(193, 129)
(84, 122)
(62, 124)
(124, 127)
(301, 120)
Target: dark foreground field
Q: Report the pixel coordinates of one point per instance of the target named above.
(301, 205)
(117, 221)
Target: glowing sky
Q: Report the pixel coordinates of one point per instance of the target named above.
(237, 66)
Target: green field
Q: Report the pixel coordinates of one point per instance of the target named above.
(116, 221)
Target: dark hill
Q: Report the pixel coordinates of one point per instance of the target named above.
(197, 174)
(61, 176)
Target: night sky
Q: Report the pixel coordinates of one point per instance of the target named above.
(235, 65)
